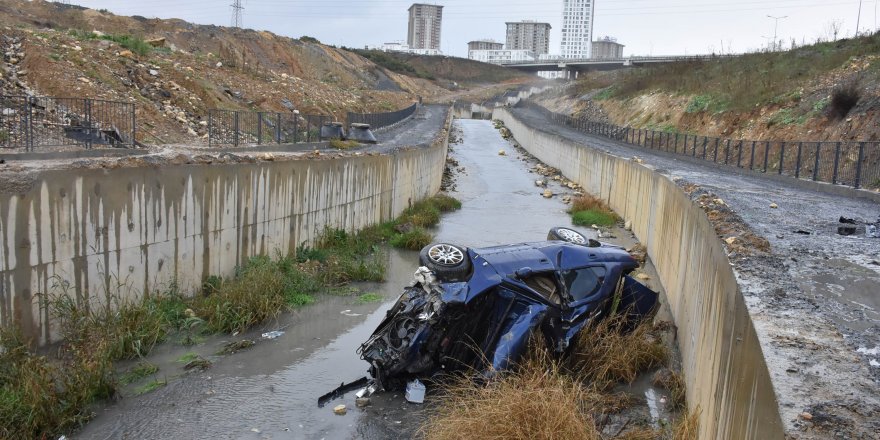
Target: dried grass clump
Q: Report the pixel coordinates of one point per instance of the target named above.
(688, 427)
(588, 202)
(672, 382)
(606, 354)
(537, 401)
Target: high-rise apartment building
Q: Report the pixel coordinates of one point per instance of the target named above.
(528, 35)
(425, 23)
(577, 28)
(485, 45)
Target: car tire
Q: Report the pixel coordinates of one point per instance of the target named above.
(568, 235)
(448, 261)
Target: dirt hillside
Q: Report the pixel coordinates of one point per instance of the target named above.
(175, 71)
(822, 91)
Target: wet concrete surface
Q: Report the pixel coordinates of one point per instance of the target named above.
(815, 298)
(270, 391)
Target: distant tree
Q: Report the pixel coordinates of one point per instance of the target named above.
(307, 39)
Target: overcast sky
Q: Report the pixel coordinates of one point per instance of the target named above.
(658, 27)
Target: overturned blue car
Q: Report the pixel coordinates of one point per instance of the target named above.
(476, 309)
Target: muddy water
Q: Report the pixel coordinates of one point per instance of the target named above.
(270, 391)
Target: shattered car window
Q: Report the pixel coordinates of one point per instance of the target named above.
(582, 283)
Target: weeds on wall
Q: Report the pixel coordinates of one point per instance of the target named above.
(587, 210)
(46, 396)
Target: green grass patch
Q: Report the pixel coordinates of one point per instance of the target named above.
(135, 44)
(187, 358)
(413, 240)
(604, 94)
(138, 372)
(150, 386)
(787, 116)
(370, 298)
(340, 144)
(593, 217)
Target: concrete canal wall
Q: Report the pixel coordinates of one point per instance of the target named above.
(134, 230)
(723, 365)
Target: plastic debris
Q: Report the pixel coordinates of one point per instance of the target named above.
(272, 335)
(415, 392)
(340, 410)
(362, 402)
(774, 206)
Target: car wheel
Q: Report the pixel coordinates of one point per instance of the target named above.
(448, 262)
(569, 235)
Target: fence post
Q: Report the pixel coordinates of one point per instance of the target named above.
(781, 157)
(705, 145)
(766, 155)
(836, 164)
(727, 152)
(210, 127)
(675, 147)
(859, 165)
(797, 171)
(87, 103)
(816, 165)
(134, 127)
(29, 125)
(235, 130)
(752, 158)
(717, 145)
(278, 128)
(653, 133)
(320, 125)
(739, 155)
(259, 128)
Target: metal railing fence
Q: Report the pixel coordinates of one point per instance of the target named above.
(850, 163)
(32, 122)
(382, 120)
(238, 128)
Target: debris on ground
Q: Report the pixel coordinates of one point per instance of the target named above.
(774, 206)
(502, 153)
(236, 346)
(340, 410)
(463, 299)
(415, 392)
(547, 194)
(272, 335)
(197, 363)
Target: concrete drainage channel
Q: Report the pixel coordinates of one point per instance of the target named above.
(276, 396)
(725, 372)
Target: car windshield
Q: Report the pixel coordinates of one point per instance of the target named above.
(581, 283)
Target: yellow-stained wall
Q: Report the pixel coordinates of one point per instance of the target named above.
(723, 365)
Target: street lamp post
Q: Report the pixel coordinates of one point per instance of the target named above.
(859, 18)
(776, 28)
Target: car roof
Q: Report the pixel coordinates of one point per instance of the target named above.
(549, 255)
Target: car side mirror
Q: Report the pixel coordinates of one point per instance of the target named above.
(524, 272)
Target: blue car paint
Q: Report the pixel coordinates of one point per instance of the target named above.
(520, 311)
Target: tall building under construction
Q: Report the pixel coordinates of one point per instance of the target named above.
(425, 23)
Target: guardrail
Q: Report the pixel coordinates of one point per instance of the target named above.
(382, 120)
(237, 128)
(31, 123)
(850, 163)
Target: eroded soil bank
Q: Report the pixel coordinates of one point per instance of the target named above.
(270, 391)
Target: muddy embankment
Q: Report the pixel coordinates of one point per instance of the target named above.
(725, 372)
(126, 232)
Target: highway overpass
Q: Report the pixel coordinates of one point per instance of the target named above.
(584, 65)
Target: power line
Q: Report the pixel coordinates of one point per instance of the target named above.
(236, 13)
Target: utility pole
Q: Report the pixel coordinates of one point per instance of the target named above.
(859, 18)
(776, 28)
(236, 13)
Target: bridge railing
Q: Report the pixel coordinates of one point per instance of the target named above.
(632, 59)
(382, 120)
(31, 123)
(849, 163)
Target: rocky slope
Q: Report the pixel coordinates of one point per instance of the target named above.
(175, 71)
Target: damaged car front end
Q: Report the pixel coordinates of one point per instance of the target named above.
(476, 309)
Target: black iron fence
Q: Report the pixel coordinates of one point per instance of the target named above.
(850, 163)
(239, 128)
(382, 120)
(31, 123)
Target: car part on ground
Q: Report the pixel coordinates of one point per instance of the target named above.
(477, 309)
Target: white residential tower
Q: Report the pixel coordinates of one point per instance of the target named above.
(577, 28)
